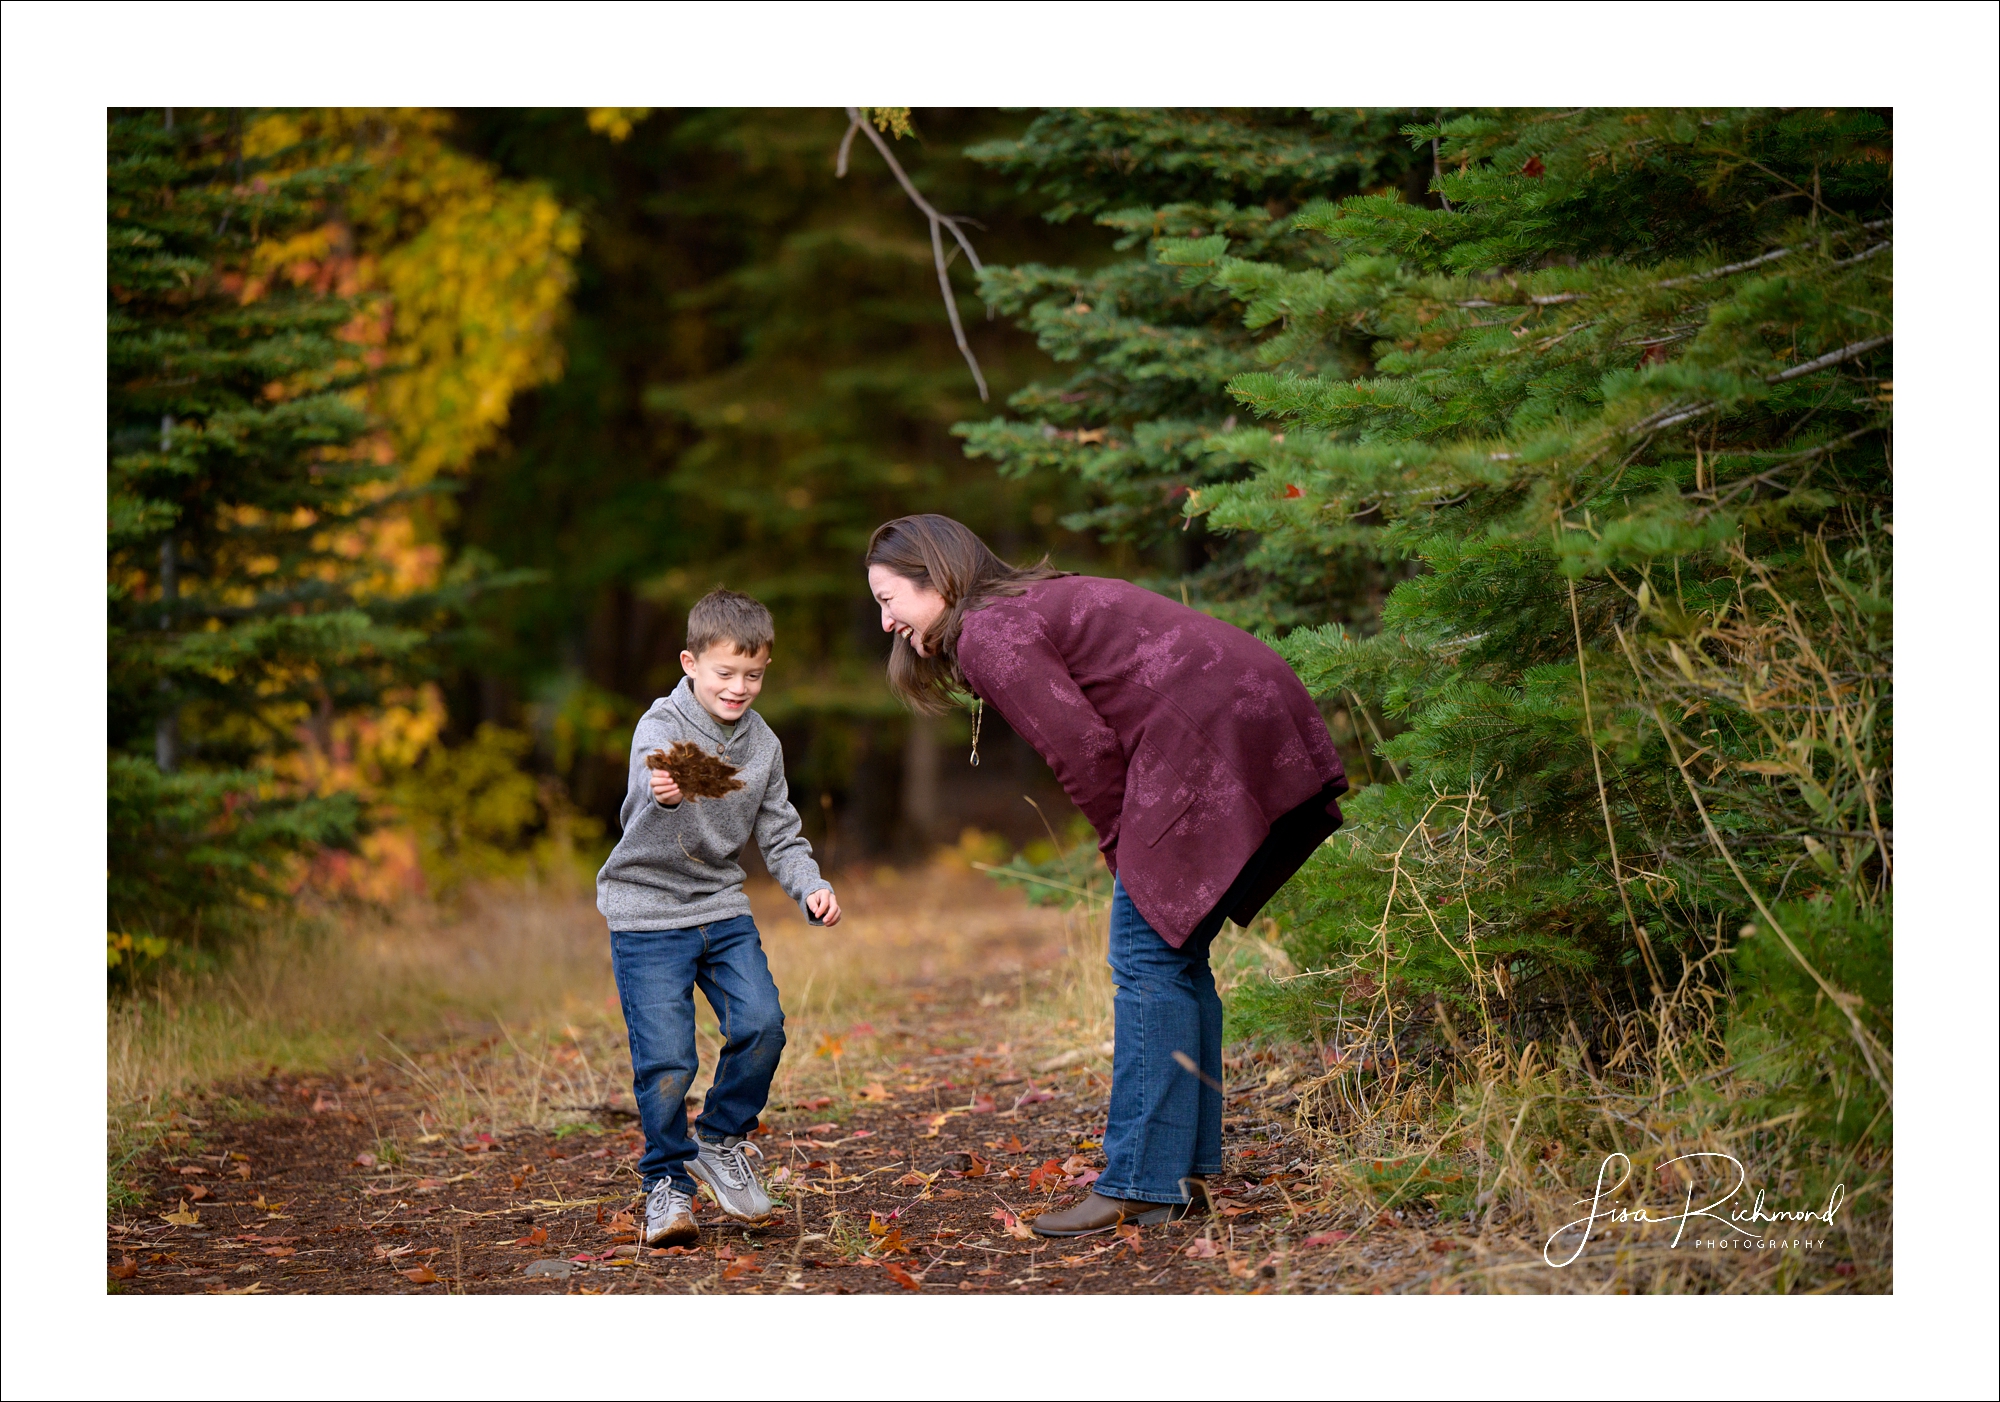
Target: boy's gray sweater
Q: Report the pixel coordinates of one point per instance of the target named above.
(676, 867)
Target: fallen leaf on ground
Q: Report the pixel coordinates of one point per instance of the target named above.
(422, 1275)
(182, 1216)
(125, 1269)
(1015, 1146)
(874, 1090)
(1034, 1097)
(1325, 1238)
(241, 1170)
(255, 1287)
(862, 1029)
(1201, 1249)
(743, 1265)
(1012, 1225)
(197, 1193)
(1049, 1172)
(908, 1180)
(280, 1251)
(981, 1106)
(818, 1102)
(364, 1160)
(1075, 1163)
(901, 1276)
(191, 1170)
(538, 1237)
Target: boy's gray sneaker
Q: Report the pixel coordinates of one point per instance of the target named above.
(669, 1216)
(727, 1171)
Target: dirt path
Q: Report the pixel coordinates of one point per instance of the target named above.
(926, 1114)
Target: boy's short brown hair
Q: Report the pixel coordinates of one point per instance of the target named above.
(723, 615)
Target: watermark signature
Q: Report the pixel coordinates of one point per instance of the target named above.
(1751, 1225)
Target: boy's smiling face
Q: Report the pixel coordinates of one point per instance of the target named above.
(725, 680)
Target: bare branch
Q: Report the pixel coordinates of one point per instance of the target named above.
(1680, 414)
(939, 222)
(846, 144)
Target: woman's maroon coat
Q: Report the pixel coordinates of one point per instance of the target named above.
(1180, 737)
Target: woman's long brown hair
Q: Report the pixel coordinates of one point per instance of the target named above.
(936, 552)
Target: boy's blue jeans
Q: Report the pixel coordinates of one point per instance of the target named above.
(657, 972)
(1165, 1122)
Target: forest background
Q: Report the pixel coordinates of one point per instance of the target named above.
(1551, 448)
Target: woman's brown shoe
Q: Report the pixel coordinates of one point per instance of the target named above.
(1098, 1213)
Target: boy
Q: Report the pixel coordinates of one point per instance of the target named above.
(673, 896)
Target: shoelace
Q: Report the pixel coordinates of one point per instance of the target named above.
(736, 1163)
(660, 1202)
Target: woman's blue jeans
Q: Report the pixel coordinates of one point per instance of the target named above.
(657, 972)
(1165, 1123)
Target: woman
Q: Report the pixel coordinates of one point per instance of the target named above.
(1195, 753)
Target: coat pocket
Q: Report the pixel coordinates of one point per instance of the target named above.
(1155, 795)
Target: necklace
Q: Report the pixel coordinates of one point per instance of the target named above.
(978, 715)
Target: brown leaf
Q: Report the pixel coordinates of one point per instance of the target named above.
(743, 1265)
(241, 1170)
(280, 1251)
(125, 1269)
(192, 1169)
(197, 1193)
(1325, 1238)
(874, 1090)
(901, 1276)
(538, 1237)
(913, 1179)
(1201, 1249)
(422, 1275)
(698, 773)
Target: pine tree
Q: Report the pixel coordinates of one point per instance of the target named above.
(1627, 407)
(1145, 417)
(237, 608)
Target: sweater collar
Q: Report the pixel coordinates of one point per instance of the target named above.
(694, 713)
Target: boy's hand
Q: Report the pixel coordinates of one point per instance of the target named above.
(665, 790)
(824, 906)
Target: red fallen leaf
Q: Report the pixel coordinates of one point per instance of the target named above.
(897, 1274)
(197, 1193)
(725, 1253)
(1292, 491)
(1442, 1245)
(1534, 169)
(1325, 1238)
(981, 1106)
(818, 1102)
(1047, 1173)
(422, 1275)
(1844, 1268)
(364, 1160)
(1075, 1163)
(743, 1265)
(1015, 1146)
(538, 1237)
(1202, 1249)
(125, 1269)
(280, 1251)
(861, 1134)
(976, 1167)
(1034, 1097)
(1230, 1209)
(583, 1258)
(1084, 1179)
(1012, 1225)
(862, 1029)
